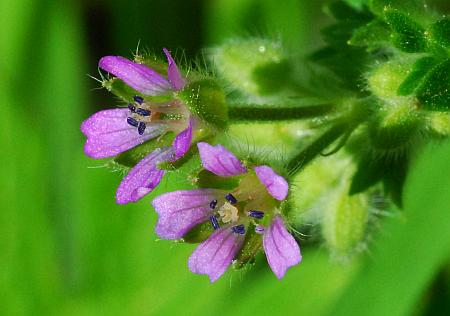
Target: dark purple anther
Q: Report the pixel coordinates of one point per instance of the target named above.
(256, 214)
(214, 222)
(132, 122)
(143, 112)
(138, 99)
(213, 204)
(230, 198)
(131, 107)
(141, 128)
(239, 229)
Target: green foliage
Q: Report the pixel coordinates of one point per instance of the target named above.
(416, 76)
(434, 91)
(407, 35)
(440, 32)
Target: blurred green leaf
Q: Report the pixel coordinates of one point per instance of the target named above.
(440, 32)
(411, 249)
(420, 68)
(408, 35)
(434, 91)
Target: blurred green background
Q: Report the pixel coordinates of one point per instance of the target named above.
(68, 249)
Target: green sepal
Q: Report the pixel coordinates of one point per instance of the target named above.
(206, 100)
(434, 91)
(199, 233)
(251, 246)
(120, 89)
(408, 35)
(131, 157)
(440, 32)
(373, 35)
(395, 127)
(368, 173)
(371, 170)
(207, 179)
(420, 68)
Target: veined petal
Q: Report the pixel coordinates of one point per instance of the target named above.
(219, 160)
(109, 133)
(176, 79)
(282, 251)
(276, 185)
(183, 141)
(179, 211)
(213, 256)
(138, 76)
(144, 177)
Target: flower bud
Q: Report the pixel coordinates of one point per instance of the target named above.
(206, 100)
(396, 126)
(254, 66)
(345, 220)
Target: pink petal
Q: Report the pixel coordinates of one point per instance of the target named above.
(282, 251)
(275, 184)
(182, 142)
(219, 160)
(138, 76)
(175, 77)
(109, 133)
(144, 177)
(213, 256)
(179, 211)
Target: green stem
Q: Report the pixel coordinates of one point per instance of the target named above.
(299, 161)
(359, 112)
(254, 112)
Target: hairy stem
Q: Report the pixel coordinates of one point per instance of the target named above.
(253, 112)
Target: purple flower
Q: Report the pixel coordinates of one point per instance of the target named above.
(111, 132)
(253, 204)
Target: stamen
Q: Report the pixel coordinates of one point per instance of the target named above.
(213, 204)
(259, 229)
(230, 198)
(132, 122)
(138, 99)
(141, 128)
(214, 222)
(143, 112)
(256, 214)
(239, 229)
(131, 107)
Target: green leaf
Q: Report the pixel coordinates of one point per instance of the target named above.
(440, 32)
(434, 91)
(407, 6)
(420, 68)
(372, 35)
(408, 35)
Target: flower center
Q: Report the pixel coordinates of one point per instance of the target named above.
(172, 114)
(230, 212)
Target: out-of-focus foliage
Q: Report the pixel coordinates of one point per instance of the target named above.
(68, 249)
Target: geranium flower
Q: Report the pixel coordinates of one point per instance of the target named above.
(111, 132)
(253, 204)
